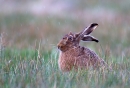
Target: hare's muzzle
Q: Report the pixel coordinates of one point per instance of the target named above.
(59, 46)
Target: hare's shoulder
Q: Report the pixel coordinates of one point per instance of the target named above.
(86, 52)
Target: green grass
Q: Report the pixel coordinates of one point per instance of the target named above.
(23, 65)
(27, 68)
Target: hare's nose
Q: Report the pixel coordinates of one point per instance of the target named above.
(58, 47)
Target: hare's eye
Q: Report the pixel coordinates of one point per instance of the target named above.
(70, 38)
(63, 37)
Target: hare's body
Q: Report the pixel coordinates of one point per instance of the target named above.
(72, 55)
(78, 58)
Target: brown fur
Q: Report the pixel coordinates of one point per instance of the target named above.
(72, 55)
(78, 57)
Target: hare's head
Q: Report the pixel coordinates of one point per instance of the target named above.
(71, 40)
(67, 42)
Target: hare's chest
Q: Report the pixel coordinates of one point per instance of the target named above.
(66, 61)
(67, 57)
(70, 54)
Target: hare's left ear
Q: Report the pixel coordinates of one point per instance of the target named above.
(86, 31)
(70, 33)
(89, 38)
(89, 29)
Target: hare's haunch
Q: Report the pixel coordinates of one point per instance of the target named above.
(72, 55)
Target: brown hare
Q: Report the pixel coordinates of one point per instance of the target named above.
(72, 55)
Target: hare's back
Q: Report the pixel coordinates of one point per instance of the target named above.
(87, 57)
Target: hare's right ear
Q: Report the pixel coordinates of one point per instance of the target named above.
(86, 31)
(90, 28)
(89, 38)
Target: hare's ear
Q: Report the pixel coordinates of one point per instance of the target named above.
(86, 31)
(89, 38)
(70, 33)
(90, 28)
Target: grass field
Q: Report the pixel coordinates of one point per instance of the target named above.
(27, 68)
(28, 45)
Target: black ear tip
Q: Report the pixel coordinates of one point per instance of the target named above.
(94, 24)
(96, 41)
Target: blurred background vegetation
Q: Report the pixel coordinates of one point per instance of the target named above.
(25, 22)
(31, 29)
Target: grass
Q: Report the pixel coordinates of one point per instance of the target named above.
(37, 66)
(28, 68)
(25, 64)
